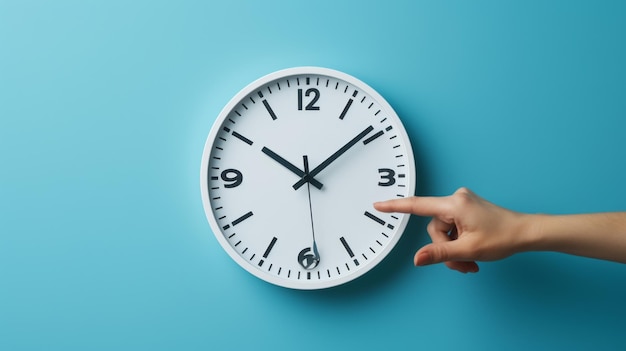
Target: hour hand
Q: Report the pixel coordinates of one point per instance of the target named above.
(297, 171)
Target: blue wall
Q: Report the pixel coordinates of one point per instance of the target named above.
(105, 107)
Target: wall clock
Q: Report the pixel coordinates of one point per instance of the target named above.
(290, 172)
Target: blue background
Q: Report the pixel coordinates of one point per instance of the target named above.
(105, 107)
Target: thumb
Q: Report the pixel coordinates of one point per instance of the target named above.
(448, 252)
(432, 253)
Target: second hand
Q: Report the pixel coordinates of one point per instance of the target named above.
(308, 185)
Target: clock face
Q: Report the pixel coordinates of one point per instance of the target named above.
(290, 172)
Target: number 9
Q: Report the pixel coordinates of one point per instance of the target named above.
(232, 176)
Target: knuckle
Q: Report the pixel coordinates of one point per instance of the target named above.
(431, 227)
(463, 197)
(462, 190)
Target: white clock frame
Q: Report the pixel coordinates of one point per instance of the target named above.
(254, 91)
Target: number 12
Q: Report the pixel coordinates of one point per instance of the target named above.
(311, 105)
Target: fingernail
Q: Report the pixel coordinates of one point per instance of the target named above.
(422, 259)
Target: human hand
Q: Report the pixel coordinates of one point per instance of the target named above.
(464, 229)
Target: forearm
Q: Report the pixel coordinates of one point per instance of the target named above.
(600, 235)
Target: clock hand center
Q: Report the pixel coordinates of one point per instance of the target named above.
(308, 177)
(290, 166)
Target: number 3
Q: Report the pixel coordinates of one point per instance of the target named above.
(389, 176)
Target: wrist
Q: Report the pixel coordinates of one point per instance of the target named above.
(530, 231)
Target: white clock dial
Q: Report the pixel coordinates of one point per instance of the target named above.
(290, 172)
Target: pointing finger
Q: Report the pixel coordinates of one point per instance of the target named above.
(421, 206)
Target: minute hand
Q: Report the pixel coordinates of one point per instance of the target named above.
(333, 157)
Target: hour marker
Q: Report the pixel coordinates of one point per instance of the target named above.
(346, 246)
(270, 247)
(267, 251)
(214, 178)
(374, 218)
(269, 109)
(378, 220)
(373, 137)
(242, 138)
(242, 218)
(355, 92)
(260, 94)
(389, 128)
(349, 250)
(345, 109)
(308, 80)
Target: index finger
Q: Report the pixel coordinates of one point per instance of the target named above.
(429, 206)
